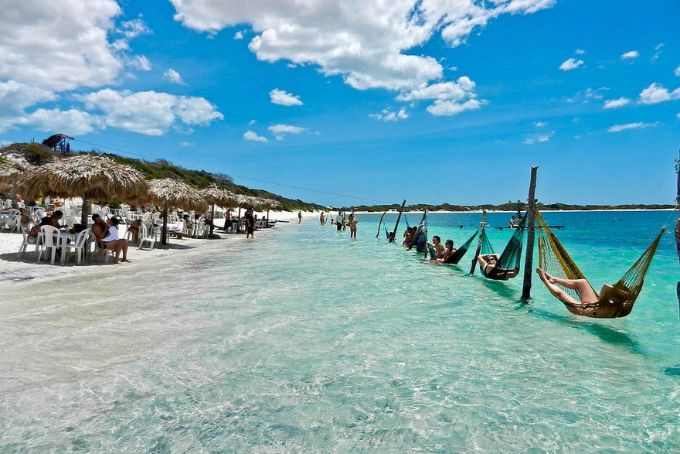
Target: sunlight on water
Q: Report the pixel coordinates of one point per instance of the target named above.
(306, 341)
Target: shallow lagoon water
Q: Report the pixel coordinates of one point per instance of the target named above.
(306, 341)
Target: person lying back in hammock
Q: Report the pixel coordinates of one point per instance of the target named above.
(582, 287)
(488, 262)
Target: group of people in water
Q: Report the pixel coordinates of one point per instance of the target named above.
(341, 222)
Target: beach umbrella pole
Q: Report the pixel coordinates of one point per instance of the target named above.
(85, 212)
(212, 219)
(164, 232)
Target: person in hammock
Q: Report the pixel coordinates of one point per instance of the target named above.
(449, 250)
(437, 247)
(582, 287)
(488, 262)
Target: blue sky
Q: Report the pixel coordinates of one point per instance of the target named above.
(437, 102)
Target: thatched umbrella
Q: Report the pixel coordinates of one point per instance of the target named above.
(168, 193)
(9, 174)
(221, 197)
(87, 176)
(270, 204)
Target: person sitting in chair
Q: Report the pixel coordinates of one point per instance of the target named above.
(55, 219)
(113, 242)
(34, 233)
(488, 262)
(582, 287)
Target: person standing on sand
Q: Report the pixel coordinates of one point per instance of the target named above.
(250, 223)
(299, 217)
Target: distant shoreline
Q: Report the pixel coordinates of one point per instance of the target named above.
(514, 211)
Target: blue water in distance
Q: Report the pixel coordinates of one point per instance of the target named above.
(306, 341)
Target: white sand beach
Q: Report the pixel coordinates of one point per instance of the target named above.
(15, 268)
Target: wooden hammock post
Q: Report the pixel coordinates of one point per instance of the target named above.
(479, 243)
(394, 232)
(380, 223)
(531, 220)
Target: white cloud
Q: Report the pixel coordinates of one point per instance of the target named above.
(133, 28)
(631, 54)
(677, 115)
(587, 95)
(173, 76)
(150, 112)
(580, 52)
(625, 126)
(280, 130)
(59, 45)
(616, 103)
(283, 98)
(571, 64)
(538, 138)
(15, 98)
(388, 115)
(447, 108)
(238, 36)
(140, 62)
(655, 94)
(540, 124)
(450, 98)
(364, 41)
(677, 71)
(187, 144)
(253, 137)
(658, 49)
(71, 122)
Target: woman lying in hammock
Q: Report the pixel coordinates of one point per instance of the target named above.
(488, 262)
(582, 287)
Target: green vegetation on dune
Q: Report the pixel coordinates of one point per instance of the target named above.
(38, 154)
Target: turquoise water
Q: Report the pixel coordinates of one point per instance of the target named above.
(306, 341)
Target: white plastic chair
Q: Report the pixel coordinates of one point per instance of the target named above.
(146, 237)
(78, 247)
(49, 240)
(26, 242)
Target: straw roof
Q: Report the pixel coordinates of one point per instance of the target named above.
(169, 193)
(270, 204)
(9, 173)
(96, 177)
(220, 197)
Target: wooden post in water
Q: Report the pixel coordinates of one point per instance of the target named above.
(380, 223)
(396, 226)
(531, 220)
(482, 225)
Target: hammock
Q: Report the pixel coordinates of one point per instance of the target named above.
(618, 301)
(509, 262)
(420, 237)
(460, 252)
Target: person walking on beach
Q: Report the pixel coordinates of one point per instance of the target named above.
(338, 221)
(322, 219)
(299, 217)
(353, 221)
(250, 223)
